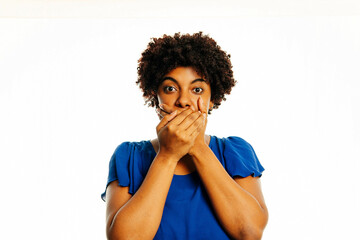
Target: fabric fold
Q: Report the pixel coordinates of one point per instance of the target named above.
(124, 166)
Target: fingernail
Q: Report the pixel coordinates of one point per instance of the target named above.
(204, 114)
(161, 105)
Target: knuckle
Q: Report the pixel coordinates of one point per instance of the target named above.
(181, 137)
(171, 128)
(176, 132)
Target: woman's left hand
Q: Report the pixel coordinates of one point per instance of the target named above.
(200, 140)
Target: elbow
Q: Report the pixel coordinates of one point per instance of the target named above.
(250, 235)
(110, 231)
(110, 235)
(255, 235)
(114, 233)
(253, 231)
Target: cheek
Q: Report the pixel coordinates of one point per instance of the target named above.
(164, 99)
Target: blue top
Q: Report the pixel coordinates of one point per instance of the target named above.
(188, 212)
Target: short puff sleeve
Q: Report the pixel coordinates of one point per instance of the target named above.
(240, 158)
(126, 166)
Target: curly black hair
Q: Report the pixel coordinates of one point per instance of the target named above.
(198, 51)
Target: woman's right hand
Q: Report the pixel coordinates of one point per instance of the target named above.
(177, 132)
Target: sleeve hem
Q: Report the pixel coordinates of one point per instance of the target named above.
(103, 195)
(242, 175)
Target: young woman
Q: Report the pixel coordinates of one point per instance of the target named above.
(185, 184)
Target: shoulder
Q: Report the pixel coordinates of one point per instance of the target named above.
(238, 156)
(130, 163)
(232, 142)
(136, 146)
(137, 155)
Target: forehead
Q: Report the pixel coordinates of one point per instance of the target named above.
(183, 74)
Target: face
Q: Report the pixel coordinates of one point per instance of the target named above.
(182, 87)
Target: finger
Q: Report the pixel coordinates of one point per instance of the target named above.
(203, 108)
(197, 125)
(161, 113)
(182, 116)
(189, 120)
(201, 105)
(166, 119)
(165, 108)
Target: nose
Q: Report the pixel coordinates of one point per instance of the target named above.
(184, 100)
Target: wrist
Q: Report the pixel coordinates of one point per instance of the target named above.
(168, 157)
(165, 163)
(198, 149)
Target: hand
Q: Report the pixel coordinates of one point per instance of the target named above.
(178, 131)
(164, 111)
(200, 140)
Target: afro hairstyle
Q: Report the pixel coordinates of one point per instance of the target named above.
(198, 51)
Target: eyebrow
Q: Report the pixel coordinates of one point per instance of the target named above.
(174, 80)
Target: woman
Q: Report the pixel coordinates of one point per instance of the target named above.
(185, 184)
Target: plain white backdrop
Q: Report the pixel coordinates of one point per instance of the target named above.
(68, 97)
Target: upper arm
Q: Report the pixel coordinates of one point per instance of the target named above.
(116, 197)
(253, 186)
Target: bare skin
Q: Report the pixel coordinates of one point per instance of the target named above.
(183, 147)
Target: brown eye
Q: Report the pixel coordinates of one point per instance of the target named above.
(198, 90)
(169, 89)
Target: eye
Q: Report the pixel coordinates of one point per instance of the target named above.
(198, 90)
(169, 89)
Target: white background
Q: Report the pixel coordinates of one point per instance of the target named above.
(68, 98)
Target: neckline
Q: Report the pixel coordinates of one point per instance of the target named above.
(182, 175)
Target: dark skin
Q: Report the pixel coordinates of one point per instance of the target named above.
(182, 147)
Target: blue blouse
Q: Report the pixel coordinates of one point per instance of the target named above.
(188, 213)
